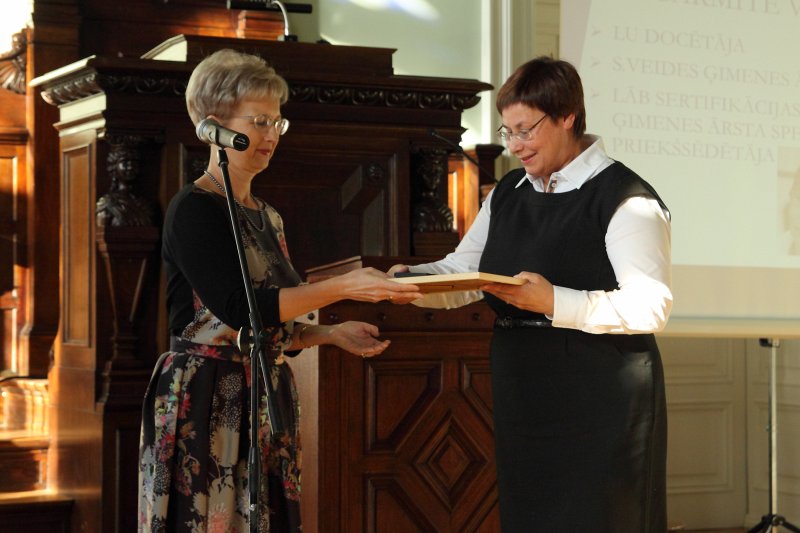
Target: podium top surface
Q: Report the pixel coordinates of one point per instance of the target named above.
(285, 56)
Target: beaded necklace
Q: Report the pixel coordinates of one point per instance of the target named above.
(240, 206)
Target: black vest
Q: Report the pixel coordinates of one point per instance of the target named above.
(560, 236)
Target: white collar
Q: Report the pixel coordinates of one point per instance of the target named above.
(587, 165)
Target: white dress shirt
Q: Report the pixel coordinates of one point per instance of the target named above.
(637, 243)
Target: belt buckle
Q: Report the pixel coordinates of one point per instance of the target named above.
(505, 322)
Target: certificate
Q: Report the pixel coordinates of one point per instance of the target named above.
(463, 281)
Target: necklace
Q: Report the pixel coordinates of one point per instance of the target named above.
(240, 206)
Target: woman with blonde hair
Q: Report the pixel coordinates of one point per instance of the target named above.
(196, 415)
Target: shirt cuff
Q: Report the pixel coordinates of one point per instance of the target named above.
(568, 308)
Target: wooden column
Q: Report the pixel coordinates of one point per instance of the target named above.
(53, 43)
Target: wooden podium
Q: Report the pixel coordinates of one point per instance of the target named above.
(402, 441)
(358, 174)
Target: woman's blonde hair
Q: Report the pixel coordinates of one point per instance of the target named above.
(226, 77)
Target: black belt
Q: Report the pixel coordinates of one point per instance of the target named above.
(508, 323)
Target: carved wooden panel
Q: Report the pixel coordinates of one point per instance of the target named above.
(130, 31)
(78, 248)
(9, 183)
(398, 393)
(14, 63)
(408, 443)
(12, 249)
(426, 456)
(52, 43)
(23, 464)
(122, 441)
(338, 198)
(334, 202)
(48, 513)
(476, 386)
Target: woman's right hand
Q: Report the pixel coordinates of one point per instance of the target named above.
(395, 269)
(372, 285)
(358, 338)
(363, 285)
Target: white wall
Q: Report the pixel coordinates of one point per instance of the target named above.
(16, 16)
(439, 38)
(473, 39)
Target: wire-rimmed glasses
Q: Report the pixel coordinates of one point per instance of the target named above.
(263, 123)
(506, 135)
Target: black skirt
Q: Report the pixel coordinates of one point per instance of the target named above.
(580, 429)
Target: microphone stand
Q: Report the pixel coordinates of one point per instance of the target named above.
(255, 340)
(770, 521)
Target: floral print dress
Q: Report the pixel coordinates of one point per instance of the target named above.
(195, 439)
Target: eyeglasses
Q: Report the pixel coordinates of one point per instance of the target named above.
(263, 123)
(522, 135)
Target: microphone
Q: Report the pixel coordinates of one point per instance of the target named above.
(210, 132)
(433, 133)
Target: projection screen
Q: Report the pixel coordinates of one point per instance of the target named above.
(702, 99)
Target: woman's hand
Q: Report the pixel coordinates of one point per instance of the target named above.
(358, 338)
(536, 295)
(372, 285)
(395, 269)
(390, 273)
(363, 285)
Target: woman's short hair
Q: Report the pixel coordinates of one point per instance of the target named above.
(550, 85)
(226, 77)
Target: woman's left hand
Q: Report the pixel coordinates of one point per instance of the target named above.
(371, 285)
(358, 338)
(536, 295)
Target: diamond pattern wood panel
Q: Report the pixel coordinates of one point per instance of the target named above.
(398, 393)
(450, 461)
(392, 509)
(422, 456)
